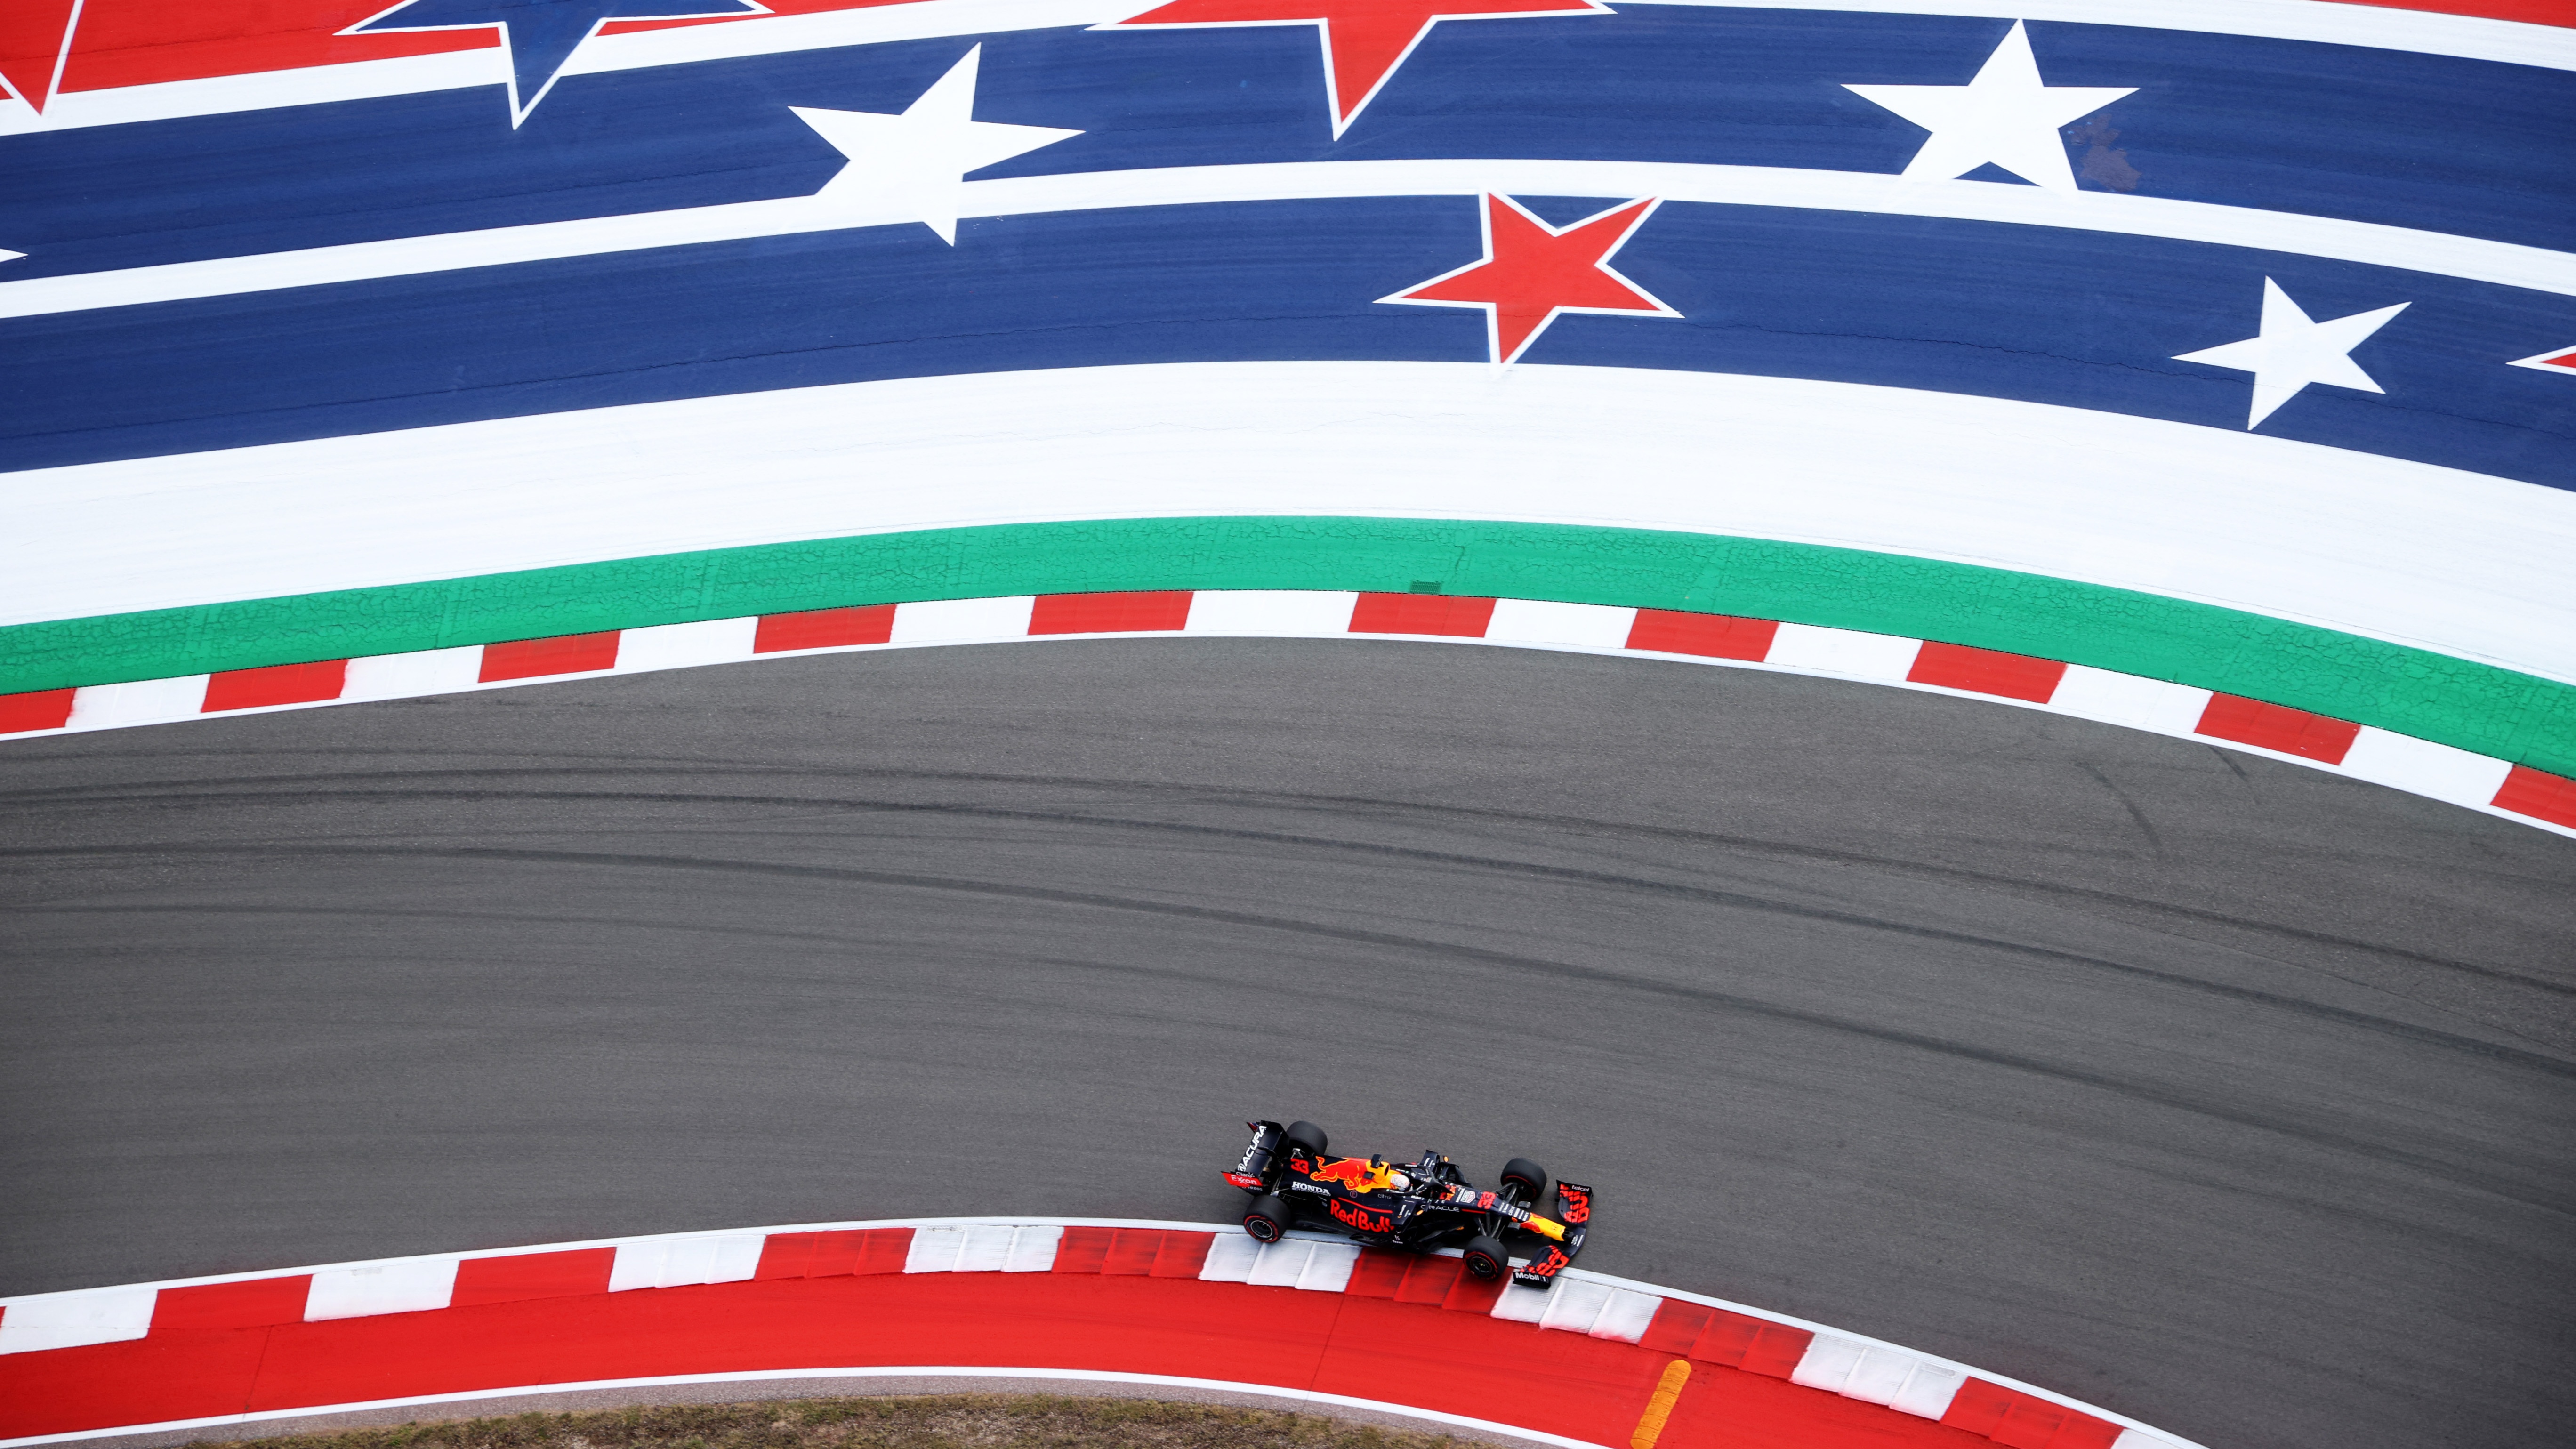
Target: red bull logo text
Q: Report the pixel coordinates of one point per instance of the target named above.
(1359, 1217)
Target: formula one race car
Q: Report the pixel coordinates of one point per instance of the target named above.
(1423, 1207)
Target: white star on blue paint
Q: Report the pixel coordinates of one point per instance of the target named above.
(2289, 350)
(540, 36)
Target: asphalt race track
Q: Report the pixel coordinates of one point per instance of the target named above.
(2220, 1092)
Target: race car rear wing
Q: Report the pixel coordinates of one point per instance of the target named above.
(1253, 1173)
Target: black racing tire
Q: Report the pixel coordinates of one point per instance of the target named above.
(1308, 1136)
(1268, 1218)
(1486, 1260)
(1526, 1180)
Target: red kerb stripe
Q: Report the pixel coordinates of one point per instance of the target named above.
(522, 1276)
(2023, 1421)
(823, 629)
(207, 1307)
(1083, 1250)
(1422, 614)
(2277, 727)
(276, 684)
(1987, 671)
(2538, 794)
(1166, 610)
(536, 658)
(45, 709)
(1710, 636)
(1756, 1345)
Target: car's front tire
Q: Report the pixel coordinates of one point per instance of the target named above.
(1486, 1260)
(1268, 1218)
(1526, 1180)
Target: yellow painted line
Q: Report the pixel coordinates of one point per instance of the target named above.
(1659, 1406)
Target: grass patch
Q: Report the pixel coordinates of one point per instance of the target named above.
(942, 1421)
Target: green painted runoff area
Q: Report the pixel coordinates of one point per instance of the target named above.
(2432, 696)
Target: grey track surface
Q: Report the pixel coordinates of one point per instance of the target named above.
(2227, 1094)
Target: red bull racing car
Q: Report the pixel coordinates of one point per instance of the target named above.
(1422, 1206)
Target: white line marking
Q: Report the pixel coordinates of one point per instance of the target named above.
(2470, 258)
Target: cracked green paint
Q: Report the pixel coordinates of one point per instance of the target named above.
(2432, 696)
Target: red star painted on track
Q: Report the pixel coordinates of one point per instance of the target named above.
(1364, 40)
(1532, 273)
(35, 39)
(2557, 359)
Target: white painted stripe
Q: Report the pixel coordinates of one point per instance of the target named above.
(1520, 1303)
(2127, 699)
(1828, 1363)
(1285, 613)
(2431, 557)
(934, 1250)
(1573, 1305)
(405, 1285)
(682, 1262)
(1280, 1264)
(1627, 1316)
(1848, 652)
(986, 1249)
(2422, 767)
(145, 701)
(953, 619)
(1587, 626)
(681, 646)
(2319, 21)
(43, 1321)
(1033, 1250)
(2472, 258)
(405, 676)
(1329, 1270)
(1879, 1377)
(1230, 1259)
(1928, 1390)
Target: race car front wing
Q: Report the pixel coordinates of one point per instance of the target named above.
(1561, 1236)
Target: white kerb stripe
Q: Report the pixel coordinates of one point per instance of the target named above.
(1849, 652)
(987, 1248)
(944, 621)
(1879, 1376)
(1230, 1258)
(2129, 699)
(405, 1285)
(1329, 1270)
(1280, 1263)
(685, 1262)
(1280, 613)
(934, 1250)
(409, 676)
(41, 1321)
(2425, 768)
(681, 646)
(1627, 1316)
(1828, 1363)
(1929, 1390)
(145, 701)
(1520, 1303)
(1573, 1305)
(1033, 1249)
(1585, 626)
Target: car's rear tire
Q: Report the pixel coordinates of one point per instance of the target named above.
(1525, 1180)
(1268, 1218)
(1486, 1260)
(1308, 1136)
